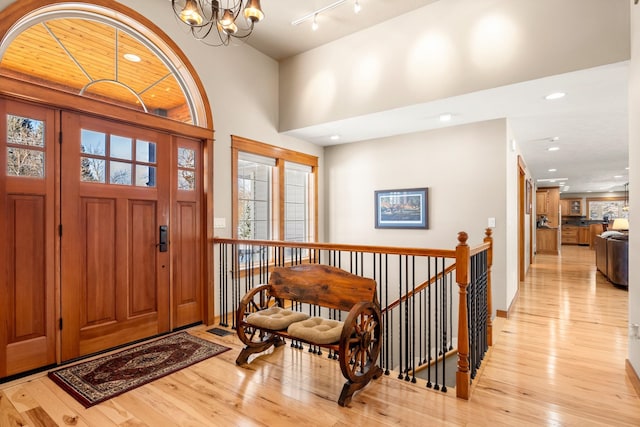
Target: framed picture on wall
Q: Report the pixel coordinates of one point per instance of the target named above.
(402, 208)
(527, 200)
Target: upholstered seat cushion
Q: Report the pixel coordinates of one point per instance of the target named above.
(317, 330)
(275, 318)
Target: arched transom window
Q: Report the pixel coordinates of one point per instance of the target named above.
(89, 53)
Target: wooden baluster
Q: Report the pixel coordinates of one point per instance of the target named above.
(463, 377)
(489, 239)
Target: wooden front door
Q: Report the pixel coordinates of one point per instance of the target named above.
(27, 247)
(102, 235)
(115, 259)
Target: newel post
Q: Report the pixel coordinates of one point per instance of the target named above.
(489, 239)
(463, 376)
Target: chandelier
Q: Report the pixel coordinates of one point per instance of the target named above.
(215, 22)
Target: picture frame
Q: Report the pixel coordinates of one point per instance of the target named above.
(528, 196)
(405, 208)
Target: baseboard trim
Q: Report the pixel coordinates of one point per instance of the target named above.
(633, 376)
(505, 314)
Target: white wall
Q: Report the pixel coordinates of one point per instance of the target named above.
(449, 48)
(634, 183)
(466, 168)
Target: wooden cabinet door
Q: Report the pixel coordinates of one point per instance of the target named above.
(27, 250)
(576, 207)
(115, 273)
(584, 236)
(542, 202)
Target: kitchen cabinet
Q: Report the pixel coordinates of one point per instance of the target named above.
(547, 241)
(575, 235)
(542, 202)
(571, 207)
(548, 204)
(570, 235)
(584, 237)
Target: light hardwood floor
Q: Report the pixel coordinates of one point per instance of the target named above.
(559, 360)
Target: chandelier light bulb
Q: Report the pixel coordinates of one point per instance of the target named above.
(314, 26)
(190, 14)
(253, 11)
(227, 19)
(357, 7)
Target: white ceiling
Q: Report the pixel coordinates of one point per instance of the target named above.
(590, 122)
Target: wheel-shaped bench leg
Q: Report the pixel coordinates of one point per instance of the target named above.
(256, 340)
(360, 344)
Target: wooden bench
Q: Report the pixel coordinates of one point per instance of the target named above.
(266, 314)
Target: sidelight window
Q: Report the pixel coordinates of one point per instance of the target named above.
(25, 147)
(186, 169)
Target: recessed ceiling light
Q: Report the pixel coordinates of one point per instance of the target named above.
(445, 117)
(627, 168)
(555, 95)
(553, 170)
(551, 179)
(335, 137)
(132, 57)
(617, 176)
(553, 148)
(555, 138)
(589, 191)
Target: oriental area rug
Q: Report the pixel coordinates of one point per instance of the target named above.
(103, 378)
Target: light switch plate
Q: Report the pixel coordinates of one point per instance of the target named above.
(219, 222)
(491, 223)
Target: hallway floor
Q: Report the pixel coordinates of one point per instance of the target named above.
(559, 360)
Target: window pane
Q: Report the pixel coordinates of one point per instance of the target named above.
(296, 204)
(145, 151)
(261, 230)
(607, 210)
(120, 147)
(186, 180)
(25, 162)
(92, 142)
(25, 131)
(254, 200)
(92, 170)
(145, 176)
(120, 173)
(186, 158)
(251, 228)
(261, 190)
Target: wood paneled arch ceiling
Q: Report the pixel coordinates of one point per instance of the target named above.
(84, 56)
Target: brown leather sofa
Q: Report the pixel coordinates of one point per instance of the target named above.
(612, 258)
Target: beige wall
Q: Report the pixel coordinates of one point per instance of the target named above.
(449, 48)
(466, 168)
(634, 183)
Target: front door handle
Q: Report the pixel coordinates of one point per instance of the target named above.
(163, 244)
